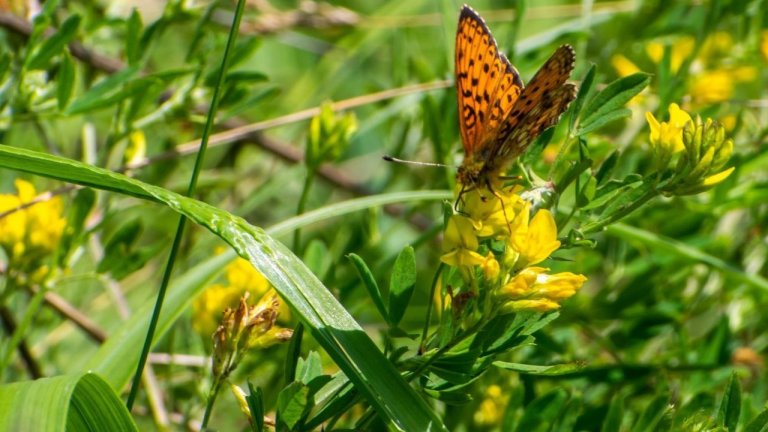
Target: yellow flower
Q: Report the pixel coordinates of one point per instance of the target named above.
(492, 407)
(537, 241)
(460, 243)
(707, 151)
(624, 66)
(36, 229)
(537, 305)
(492, 215)
(666, 138)
(241, 278)
(545, 291)
(681, 49)
(490, 267)
(764, 44)
(559, 286)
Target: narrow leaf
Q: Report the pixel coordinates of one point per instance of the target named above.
(402, 284)
(370, 284)
(584, 89)
(730, 407)
(614, 96)
(65, 82)
(54, 44)
(133, 30)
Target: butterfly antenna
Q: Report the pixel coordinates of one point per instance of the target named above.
(403, 161)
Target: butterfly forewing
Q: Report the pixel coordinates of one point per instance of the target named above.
(488, 86)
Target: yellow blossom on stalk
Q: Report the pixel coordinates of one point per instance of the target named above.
(32, 233)
(241, 278)
(245, 328)
(666, 138)
(491, 214)
(538, 239)
(490, 267)
(533, 289)
(460, 243)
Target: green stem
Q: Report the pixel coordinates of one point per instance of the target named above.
(428, 318)
(209, 404)
(302, 205)
(233, 31)
(599, 225)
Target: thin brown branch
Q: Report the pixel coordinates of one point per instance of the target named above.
(71, 313)
(309, 14)
(21, 27)
(9, 323)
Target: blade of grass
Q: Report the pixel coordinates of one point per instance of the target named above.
(233, 31)
(657, 242)
(324, 317)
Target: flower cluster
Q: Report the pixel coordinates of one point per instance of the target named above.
(712, 80)
(29, 235)
(246, 328)
(241, 278)
(498, 241)
(700, 149)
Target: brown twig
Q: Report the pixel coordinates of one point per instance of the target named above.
(309, 14)
(26, 355)
(71, 313)
(79, 51)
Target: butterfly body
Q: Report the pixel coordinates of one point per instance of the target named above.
(499, 117)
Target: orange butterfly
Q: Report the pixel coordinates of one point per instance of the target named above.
(499, 117)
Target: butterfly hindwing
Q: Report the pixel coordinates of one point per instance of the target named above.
(539, 106)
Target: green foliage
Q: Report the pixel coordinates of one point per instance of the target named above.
(669, 229)
(65, 402)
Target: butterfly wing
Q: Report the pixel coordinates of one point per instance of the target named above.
(539, 106)
(487, 85)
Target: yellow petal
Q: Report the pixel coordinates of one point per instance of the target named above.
(717, 178)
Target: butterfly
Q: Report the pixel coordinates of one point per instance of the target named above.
(499, 117)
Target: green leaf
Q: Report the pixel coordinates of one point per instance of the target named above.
(54, 45)
(652, 415)
(603, 120)
(68, 402)
(609, 193)
(759, 424)
(553, 370)
(370, 284)
(402, 284)
(543, 411)
(310, 368)
(613, 97)
(255, 401)
(133, 31)
(329, 323)
(578, 103)
(318, 258)
(615, 415)
(105, 93)
(292, 404)
(586, 192)
(65, 82)
(730, 407)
